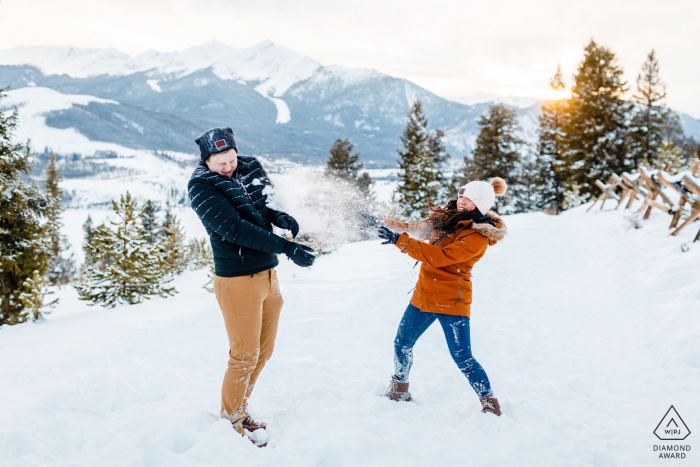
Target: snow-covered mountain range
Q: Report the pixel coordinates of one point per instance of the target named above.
(114, 115)
(278, 102)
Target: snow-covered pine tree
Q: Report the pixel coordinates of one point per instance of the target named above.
(595, 131)
(201, 256)
(342, 164)
(23, 242)
(61, 263)
(149, 221)
(33, 296)
(420, 166)
(653, 124)
(497, 151)
(132, 268)
(669, 158)
(526, 194)
(550, 168)
(171, 243)
(88, 229)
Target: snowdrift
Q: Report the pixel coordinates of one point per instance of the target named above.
(587, 327)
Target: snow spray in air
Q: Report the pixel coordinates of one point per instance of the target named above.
(326, 208)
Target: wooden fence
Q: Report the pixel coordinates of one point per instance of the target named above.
(657, 189)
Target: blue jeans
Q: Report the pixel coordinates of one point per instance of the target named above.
(456, 329)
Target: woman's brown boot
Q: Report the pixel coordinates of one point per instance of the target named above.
(490, 405)
(398, 391)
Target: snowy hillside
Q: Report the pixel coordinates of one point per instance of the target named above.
(588, 329)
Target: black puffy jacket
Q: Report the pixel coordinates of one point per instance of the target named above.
(236, 217)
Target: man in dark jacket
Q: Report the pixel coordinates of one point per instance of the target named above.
(226, 192)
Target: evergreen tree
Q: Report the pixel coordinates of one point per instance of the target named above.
(527, 193)
(24, 250)
(132, 270)
(690, 149)
(61, 266)
(89, 233)
(343, 165)
(88, 229)
(201, 256)
(550, 170)
(420, 166)
(168, 217)
(653, 125)
(669, 157)
(33, 297)
(595, 130)
(174, 251)
(497, 151)
(149, 221)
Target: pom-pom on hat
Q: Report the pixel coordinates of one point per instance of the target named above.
(483, 194)
(214, 141)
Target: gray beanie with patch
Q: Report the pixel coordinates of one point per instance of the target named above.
(214, 141)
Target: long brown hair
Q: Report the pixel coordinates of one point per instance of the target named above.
(448, 217)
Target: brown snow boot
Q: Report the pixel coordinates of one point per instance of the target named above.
(398, 391)
(251, 425)
(490, 405)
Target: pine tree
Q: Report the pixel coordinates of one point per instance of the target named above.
(33, 297)
(88, 230)
(420, 166)
(550, 169)
(669, 156)
(595, 131)
(201, 256)
(149, 221)
(173, 250)
(497, 151)
(653, 124)
(167, 219)
(343, 165)
(526, 194)
(61, 266)
(89, 233)
(132, 269)
(24, 248)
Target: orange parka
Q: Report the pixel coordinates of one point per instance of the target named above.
(444, 284)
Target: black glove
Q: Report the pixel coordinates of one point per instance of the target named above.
(299, 254)
(388, 235)
(287, 222)
(373, 221)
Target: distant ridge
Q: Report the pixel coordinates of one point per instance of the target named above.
(279, 103)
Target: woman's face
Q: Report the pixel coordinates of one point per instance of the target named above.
(465, 204)
(223, 163)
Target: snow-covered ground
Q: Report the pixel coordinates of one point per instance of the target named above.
(587, 327)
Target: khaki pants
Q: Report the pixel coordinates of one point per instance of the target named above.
(251, 307)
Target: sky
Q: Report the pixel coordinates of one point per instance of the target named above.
(453, 48)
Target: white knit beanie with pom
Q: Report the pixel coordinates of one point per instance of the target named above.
(483, 194)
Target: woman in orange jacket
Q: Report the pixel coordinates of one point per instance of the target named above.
(457, 237)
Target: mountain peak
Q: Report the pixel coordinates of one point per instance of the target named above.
(264, 44)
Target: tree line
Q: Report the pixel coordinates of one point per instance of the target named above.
(587, 136)
(135, 256)
(127, 259)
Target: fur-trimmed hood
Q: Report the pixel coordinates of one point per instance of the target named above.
(493, 233)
